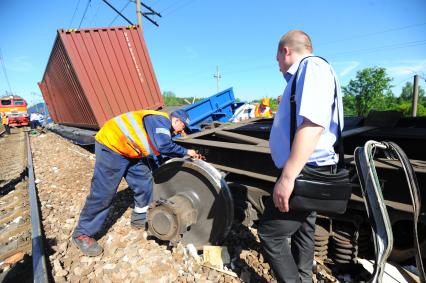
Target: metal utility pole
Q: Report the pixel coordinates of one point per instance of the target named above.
(138, 13)
(415, 95)
(217, 76)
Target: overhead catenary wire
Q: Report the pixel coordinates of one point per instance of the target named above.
(4, 71)
(118, 12)
(170, 6)
(152, 12)
(267, 66)
(371, 34)
(406, 80)
(381, 48)
(96, 12)
(121, 11)
(147, 14)
(352, 52)
(149, 19)
(73, 15)
(184, 4)
(84, 14)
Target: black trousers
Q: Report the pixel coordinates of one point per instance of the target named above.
(291, 262)
(288, 241)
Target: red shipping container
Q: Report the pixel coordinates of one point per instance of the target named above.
(95, 74)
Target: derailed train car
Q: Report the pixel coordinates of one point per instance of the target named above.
(95, 74)
(197, 202)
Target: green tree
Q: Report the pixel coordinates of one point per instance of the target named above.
(405, 108)
(170, 99)
(273, 103)
(349, 105)
(407, 94)
(371, 89)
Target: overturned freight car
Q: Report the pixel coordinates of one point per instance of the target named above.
(95, 74)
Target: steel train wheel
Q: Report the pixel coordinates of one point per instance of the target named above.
(192, 203)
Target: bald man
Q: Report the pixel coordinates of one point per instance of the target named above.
(310, 143)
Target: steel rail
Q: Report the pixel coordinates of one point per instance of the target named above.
(38, 254)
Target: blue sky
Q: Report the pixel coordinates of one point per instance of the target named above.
(239, 36)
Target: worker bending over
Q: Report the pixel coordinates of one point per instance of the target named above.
(127, 146)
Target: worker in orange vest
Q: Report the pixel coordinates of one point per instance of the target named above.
(263, 109)
(5, 123)
(130, 146)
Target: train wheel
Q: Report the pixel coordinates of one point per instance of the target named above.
(192, 204)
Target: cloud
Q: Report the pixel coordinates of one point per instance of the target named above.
(406, 67)
(191, 53)
(20, 64)
(346, 67)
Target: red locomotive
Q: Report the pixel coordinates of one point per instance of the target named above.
(15, 107)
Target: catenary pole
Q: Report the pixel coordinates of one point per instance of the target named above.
(415, 95)
(217, 76)
(138, 13)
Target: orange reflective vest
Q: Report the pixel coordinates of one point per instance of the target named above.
(126, 134)
(267, 112)
(5, 120)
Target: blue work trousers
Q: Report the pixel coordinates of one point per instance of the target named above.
(110, 168)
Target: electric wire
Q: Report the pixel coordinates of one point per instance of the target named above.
(4, 71)
(73, 15)
(406, 80)
(170, 6)
(371, 34)
(121, 11)
(96, 12)
(380, 48)
(185, 4)
(84, 14)
(118, 12)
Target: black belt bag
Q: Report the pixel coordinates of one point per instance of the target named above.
(316, 189)
(324, 192)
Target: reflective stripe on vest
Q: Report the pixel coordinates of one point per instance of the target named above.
(126, 134)
(138, 131)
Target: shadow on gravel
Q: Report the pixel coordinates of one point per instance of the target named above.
(20, 272)
(6, 186)
(245, 251)
(120, 203)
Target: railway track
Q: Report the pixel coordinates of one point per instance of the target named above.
(17, 207)
(63, 174)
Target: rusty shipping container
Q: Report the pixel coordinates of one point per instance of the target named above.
(95, 74)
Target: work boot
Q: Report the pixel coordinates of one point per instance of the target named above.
(87, 245)
(138, 220)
